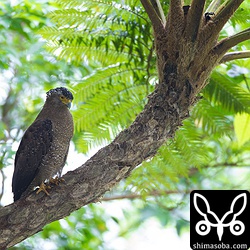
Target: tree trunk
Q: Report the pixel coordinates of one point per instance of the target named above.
(187, 51)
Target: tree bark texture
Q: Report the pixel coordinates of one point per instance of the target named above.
(186, 56)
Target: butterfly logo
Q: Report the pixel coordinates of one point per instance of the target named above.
(203, 227)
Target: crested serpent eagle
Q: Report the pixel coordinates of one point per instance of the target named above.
(44, 147)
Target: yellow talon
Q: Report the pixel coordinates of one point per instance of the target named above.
(56, 180)
(43, 188)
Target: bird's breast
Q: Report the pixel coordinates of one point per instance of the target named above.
(63, 128)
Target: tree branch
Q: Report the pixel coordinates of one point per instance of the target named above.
(155, 193)
(175, 16)
(174, 29)
(194, 19)
(210, 32)
(235, 55)
(225, 12)
(213, 6)
(157, 23)
(158, 8)
(224, 45)
(133, 196)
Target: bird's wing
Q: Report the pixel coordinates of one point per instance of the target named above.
(33, 147)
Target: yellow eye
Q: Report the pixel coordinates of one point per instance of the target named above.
(62, 97)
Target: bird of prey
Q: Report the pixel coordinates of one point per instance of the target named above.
(44, 147)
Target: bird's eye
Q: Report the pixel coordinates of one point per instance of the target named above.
(61, 97)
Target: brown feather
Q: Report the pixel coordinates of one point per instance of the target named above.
(43, 150)
(34, 145)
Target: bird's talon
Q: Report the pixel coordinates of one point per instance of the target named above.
(56, 180)
(43, 188)
(61, 180)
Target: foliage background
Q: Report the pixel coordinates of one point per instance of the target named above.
(103, 51)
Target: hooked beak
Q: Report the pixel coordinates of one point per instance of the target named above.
(69, 104)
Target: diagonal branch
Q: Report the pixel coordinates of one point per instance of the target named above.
(194, 19)
(225, 13)
(152, 14)
(213, 6)
(224, 45)
(235, 55)
(154, 193)
(158, 8)
(211, 31)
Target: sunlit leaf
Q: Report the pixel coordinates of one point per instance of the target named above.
(242, 128)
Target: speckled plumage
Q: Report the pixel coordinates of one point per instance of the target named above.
(44, 147)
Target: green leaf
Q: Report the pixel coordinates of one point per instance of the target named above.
(212, 118)
(242, 128)
(227, 93)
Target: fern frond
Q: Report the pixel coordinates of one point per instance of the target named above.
(211, 118)
(93, 56)
(105, 26)
(108, 106)
(222, 91)
(189, 143)
(107, 111)
(128, 7)
(152, 175)
(70, 44)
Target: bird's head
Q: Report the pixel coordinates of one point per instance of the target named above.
(60, 95)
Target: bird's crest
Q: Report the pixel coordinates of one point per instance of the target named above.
(60, 91)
